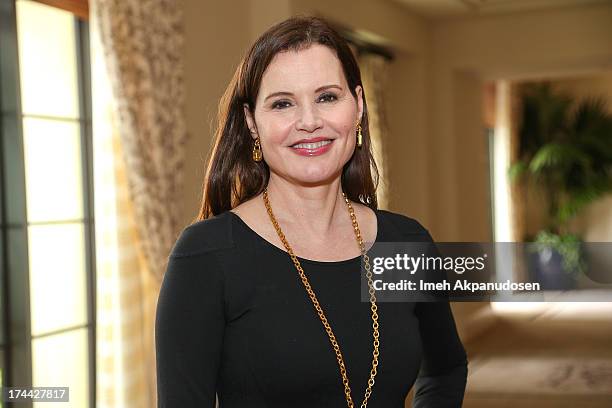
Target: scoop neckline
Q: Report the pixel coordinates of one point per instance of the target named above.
(306, 260)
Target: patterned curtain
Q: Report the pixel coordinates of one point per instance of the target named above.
(142, 42)
(139, 134)
(126, 290)
(373, 74)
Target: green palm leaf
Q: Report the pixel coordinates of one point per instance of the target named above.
(557, 156)
(516, 170)
(565, 145)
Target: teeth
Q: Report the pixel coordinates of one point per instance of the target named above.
(311, 145)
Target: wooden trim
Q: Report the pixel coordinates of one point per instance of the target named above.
(80, 8)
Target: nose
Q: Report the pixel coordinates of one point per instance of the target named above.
(309, 118)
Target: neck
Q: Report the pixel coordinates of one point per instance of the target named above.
(315, 210)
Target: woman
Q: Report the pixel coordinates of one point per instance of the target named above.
(261, 303)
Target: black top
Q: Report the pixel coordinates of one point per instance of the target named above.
(233, 318)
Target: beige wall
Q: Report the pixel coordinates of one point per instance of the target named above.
(465, 53)
(468, 51)
(216, 36)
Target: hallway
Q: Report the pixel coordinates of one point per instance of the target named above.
(543, 355)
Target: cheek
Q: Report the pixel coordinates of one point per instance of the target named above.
(274, 128)
(345, 115)
(345, 122)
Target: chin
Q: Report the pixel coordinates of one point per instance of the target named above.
(316, 179)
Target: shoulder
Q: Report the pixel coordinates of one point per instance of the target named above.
(405, 225)
(204, 236)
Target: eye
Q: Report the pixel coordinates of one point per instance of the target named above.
(281, 104)
(328, 97)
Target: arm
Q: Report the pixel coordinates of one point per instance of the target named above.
(189, 328)
(443, 374)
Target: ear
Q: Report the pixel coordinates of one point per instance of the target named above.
(359, 93)
(250, 121)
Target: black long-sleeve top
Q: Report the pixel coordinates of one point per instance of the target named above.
(233, 319)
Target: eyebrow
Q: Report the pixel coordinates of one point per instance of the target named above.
(316, 90)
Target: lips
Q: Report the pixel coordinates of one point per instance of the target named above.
(313, 149)
(311, 140)
(311, 145)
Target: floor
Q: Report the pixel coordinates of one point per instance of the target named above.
(545, 355)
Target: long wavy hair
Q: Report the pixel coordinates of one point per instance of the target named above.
(232, 176)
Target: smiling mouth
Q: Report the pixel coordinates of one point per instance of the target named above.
(314, 145)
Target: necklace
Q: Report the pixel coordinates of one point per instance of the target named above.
(317, 306)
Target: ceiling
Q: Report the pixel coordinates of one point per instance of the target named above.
(462, 8)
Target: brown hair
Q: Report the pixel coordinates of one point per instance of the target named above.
(232, 176)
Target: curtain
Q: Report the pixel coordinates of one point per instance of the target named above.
(373, 74)
(139, 136)
(124, 287)
(142, 42)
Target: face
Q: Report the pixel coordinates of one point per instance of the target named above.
(304, 98)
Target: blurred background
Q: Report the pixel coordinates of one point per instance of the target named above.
(491, 121)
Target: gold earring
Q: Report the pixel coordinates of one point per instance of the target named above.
(359, 135)
(257, 156)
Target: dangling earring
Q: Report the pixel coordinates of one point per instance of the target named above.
(257, 156)
(359, 135)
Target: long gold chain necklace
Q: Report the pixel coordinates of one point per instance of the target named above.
(315, 302)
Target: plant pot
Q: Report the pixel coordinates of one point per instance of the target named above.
(545, 266)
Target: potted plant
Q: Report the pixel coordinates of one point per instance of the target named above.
(565, 149)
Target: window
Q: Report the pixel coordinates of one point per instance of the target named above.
(47, 332)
